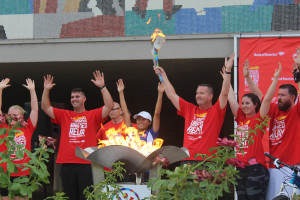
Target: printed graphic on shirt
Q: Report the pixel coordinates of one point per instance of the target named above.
(278, 130)
(77, 130)
(19, 140)
(194, 131)
(242, 132)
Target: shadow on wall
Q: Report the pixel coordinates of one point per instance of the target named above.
(2, 33)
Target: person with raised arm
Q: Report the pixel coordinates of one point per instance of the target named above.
(256, 91)
(253, 180)
(24, 134)
(116, 122)
(284, 130)
(143, 119)
(251, 84)
(78, 128)
(204, 121)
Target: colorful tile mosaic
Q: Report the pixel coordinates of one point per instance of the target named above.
(109, 18)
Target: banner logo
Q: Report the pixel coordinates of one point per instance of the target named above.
(281, 53)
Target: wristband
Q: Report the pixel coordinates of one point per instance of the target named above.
(296, 76)
(227, 72)
(102, 87)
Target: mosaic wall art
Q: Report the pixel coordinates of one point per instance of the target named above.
(42, 19)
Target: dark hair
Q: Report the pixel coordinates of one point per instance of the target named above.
(209, 87)
(291, 90)
(255, 100)
(78, 90)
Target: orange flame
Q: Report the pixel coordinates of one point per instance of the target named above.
(158, 16)
(130, 137)
(148, 22)
(156, 33)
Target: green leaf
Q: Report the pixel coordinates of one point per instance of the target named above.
(4, 178)
(3, 131)
(14, 186)
(23, 179)
(19, 154)
(23, 191)
(27, 152)
(50, 150)
(12, 132)
(4, 160)
(10, 167)
(203, 184)
(171, 185)
(46, 155)
(157, 185)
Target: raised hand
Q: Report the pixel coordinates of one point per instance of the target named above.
(48, 82)
(295, 67)
(30, 84)
(229, 63)
(277, 71)
(99, 79)
(4, 83)
(246, 69)
(222, 72)
(120, 85)
(297, 57)
(158, 70)
(160, 88)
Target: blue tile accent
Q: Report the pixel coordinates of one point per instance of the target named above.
(257, 3)
(30, 2)
(188, 22)
(280, 2)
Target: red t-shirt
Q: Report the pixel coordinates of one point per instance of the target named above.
(285, 134)
(77, 129)
(101, 132)
(202, 127)
(254, 150)
(23, 136)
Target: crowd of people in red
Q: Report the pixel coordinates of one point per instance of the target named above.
(203, 122)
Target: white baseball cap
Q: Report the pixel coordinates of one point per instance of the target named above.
(143, 114)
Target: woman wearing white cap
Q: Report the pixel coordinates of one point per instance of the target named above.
(143, 119)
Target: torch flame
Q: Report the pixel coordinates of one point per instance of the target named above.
(156, 33)
(148, 22)
(130, 137)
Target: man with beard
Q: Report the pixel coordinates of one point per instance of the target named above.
(284, 130)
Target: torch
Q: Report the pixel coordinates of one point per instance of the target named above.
(158, 39)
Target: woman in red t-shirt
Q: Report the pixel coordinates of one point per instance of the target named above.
(254, 178)
(23, 135)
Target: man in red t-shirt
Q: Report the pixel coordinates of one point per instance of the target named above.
(284, 134)
(284, 130)
(203, 122)
(78, 128)
(116, 122)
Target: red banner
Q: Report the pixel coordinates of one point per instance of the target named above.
(263, 55)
